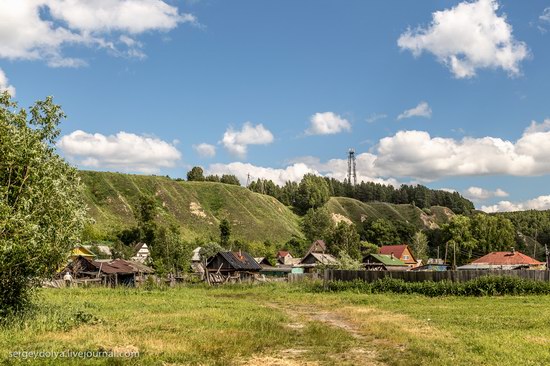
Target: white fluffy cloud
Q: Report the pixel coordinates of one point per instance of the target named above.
(124, 151)
(421, 110)
(417, 154)
(205, 150)
(236, 142)
(39, 29)
(468, 37)
(5, 85)
(327, 123)
(481, 194)
(293, 172)
(539, 203)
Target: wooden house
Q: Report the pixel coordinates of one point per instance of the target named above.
(284, 257)
(232, 267)
(383, 262)
(313, 260)
(318, 246)
(505, 260)
(401, 252)
(142, 253)
(108, 273)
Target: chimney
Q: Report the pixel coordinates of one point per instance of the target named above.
(513, 250)
(392, 256)
(240, 254)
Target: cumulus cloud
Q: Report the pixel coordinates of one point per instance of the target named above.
(539, 203)
(421, 110)
(468, 37)
(124, 151)
(236, 142)
(5, 85)
(481, 194)
(417, 154)
(205, 150)
(293, 173)
(327, 123)
(40, 29)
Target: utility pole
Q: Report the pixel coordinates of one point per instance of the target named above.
(454, 256)
(352, 171)
(535, 243)
(547, 257)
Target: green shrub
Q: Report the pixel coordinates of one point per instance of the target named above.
(482, 286)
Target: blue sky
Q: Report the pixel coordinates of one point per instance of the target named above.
(449, 94)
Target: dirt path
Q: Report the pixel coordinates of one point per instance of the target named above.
(299, 317)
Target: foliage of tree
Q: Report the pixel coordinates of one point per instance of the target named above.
(369, 248)
(225, 232)
(419, 246)
(317, 224)
(297, 246)
(459, 240)
(418, 195)
(42, 212)
(230, 179)
(381, 232)
(347, 262)
(344, 238)
(210, 249)
(212, 178)
(312, 192)
(169, 252)
(195, 174)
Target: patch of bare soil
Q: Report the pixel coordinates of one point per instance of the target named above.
(337, 218)
(197, 210)
(298, 315)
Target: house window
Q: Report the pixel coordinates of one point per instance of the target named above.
(405, 257)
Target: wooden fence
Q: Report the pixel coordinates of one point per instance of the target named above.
(299, 277)
(414, 276)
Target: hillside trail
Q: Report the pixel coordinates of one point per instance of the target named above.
(299, 316)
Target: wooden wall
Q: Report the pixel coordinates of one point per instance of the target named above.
(416, 276)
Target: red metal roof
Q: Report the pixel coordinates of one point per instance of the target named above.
(397, 251)
(282, 253)
(507, 258)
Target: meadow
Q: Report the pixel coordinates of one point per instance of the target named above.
(278, 324)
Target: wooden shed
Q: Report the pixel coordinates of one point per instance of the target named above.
(232, 267)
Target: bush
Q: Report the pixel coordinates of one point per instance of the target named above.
(482, 286)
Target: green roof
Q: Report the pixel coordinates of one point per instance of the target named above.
(387, 260)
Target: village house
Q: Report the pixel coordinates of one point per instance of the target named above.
(312, 260)
(401, 252)
(383, 262)
(504, 260)
(232, 267)
(142, 253)
(106, 272)
(284, 257)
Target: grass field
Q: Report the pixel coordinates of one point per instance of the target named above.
(281, 324)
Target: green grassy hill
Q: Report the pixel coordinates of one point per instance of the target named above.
(196, 207)
(358, 211)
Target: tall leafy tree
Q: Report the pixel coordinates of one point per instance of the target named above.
(42, 212)
(313, 192)
(345, 239)
(225, 232)
(419, 245)
(195, 174)
(317, 224)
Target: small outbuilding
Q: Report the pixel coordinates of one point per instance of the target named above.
(232, 267)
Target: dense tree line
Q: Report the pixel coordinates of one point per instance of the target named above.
(419, 195)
